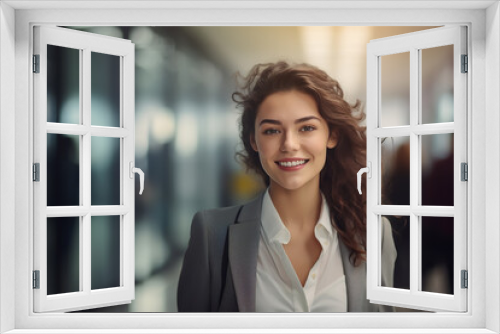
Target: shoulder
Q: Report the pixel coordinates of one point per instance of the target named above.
(216, 218)
(389, 253)
(215, 221)
(228, 215)
(386, 226)
(388, 247)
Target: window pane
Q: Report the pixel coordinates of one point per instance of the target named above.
(437, 170)
(395, 94)
(105, 171)
(63, 170)
(401, 235)
(63, 85)
(105, 252)
(105, 89)
(63, 255)
(437, 84)
(395, 169)
(437, 254)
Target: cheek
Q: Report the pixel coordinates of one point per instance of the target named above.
(320, 152)
(265, 162)
(260, 149)
(318, 146)
(265, 146)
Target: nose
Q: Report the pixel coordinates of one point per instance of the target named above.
(290, 142)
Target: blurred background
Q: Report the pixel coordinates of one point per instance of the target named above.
(187, 137)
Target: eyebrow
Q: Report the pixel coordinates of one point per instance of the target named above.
(276, 122)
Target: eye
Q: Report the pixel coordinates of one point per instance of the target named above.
(270, 131)
(307, 128)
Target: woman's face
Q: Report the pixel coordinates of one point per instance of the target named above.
(291, 138)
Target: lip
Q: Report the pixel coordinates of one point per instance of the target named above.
(291, 159)
(291, 168)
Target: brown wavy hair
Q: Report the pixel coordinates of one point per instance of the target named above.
(338, 177)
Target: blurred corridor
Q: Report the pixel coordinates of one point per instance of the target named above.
(187, 134)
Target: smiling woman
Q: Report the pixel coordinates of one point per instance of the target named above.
(291, 135)
(300, 245)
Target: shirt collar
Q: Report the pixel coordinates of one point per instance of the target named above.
(276, 231)
(323, 230)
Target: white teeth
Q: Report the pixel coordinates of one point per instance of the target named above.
(292, 164)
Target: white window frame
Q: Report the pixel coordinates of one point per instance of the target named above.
(483, 21)
(85, 43)
(414, 43)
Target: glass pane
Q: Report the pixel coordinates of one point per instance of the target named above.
(437, 84)
(105, 171)
(105, 89)
(437, 254)
(63, 255)
(63, 85)
(395, 169)
(63, 170)
(401, 235)
(105, 252)
(437, 169)
(395, 90)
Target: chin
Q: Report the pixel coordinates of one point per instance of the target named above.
(291, 186)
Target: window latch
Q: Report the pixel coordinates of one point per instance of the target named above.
(368, 171)
(141, 175)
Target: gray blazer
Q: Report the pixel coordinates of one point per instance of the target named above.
(219, 269)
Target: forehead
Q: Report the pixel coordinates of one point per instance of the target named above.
(288, 105)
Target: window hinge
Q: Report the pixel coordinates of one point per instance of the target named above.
(465, 279)
(36, 279)
(464, 171)
(36, 63)
(465, 64)
(36, 172)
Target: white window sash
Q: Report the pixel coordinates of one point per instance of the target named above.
(85, 298)
(415, 297)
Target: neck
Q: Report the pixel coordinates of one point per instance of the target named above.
(297, 208)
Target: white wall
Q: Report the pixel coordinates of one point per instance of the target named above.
(492, 147)
(489, 106)
(7, 161)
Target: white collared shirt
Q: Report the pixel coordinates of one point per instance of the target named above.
(278, 287)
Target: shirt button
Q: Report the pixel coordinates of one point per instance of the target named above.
(314, 276)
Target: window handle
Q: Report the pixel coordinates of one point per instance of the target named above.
(368, 171)
(141, 175)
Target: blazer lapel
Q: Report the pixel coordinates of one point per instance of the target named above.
(355, 281)
(244, 237)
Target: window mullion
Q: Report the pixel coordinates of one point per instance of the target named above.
(85, 273)
(392, 210)
(415, 245)
(122, 174)
(434, 129)
(67, 129)
(109, 210)
(66, 211)
(86, 166)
